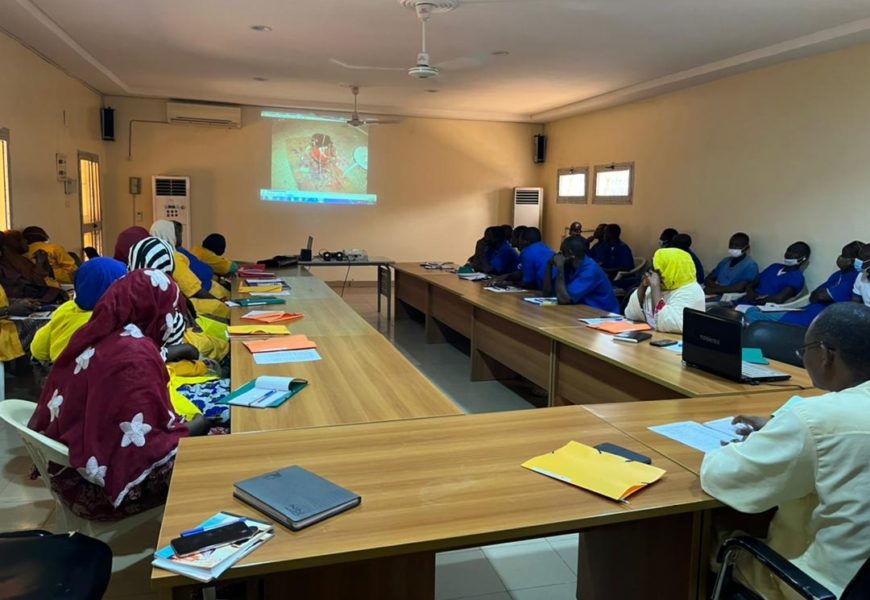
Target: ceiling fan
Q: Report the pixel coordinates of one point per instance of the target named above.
(423, 68)
(356, 121)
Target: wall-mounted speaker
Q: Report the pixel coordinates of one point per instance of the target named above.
(540, 148)
(107, 123)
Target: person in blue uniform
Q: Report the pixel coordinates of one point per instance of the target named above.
(574, 278)
(613, 254)
(782, 281)
(734, 272)
(494, 254)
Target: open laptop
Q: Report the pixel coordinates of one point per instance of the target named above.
(714, 344)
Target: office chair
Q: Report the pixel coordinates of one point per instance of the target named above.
(776, 340)
(38, 565)
(726, 588)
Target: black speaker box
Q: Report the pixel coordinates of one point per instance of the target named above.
(540, 143)
(107, 122)
(305, 254)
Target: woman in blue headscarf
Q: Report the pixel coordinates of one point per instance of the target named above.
(92, 280)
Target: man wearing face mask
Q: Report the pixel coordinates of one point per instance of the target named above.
(838, 288)
(861, 290)
(780, 282)
(734, 272)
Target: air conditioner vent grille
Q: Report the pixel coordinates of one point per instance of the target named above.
(170, 186)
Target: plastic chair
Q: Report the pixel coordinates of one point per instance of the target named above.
(42, 451)
(806, 587)
(640, 265)
(726, 312)
(799, 302)
(776, 340)
(39, 564)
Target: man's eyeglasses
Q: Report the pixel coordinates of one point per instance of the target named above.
(801, 351)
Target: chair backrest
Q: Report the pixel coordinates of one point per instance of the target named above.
(639, 262)
(726, 312)
(776, 340)
(41, 449)
(859, 587)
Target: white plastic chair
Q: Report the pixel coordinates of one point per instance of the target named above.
(640, 265)
(43, 450)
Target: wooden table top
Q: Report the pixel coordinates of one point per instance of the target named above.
(426, 485)
(665, 367)
(414, 268)
(634, 418)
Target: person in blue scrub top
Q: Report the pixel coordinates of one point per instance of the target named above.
(683, 241)
(495, 256)
(838, 288)
(780, 282)
(613, 254)
(734, 272)
(574, 278)
(534, 256)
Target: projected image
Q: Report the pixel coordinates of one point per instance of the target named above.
(318, 160)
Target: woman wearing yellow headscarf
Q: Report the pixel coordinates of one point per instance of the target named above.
(666, 290)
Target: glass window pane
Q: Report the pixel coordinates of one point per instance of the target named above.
(573, 184)
(613, 183)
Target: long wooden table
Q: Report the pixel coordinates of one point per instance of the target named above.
(361, 377)
(548, 346)
(437, 484)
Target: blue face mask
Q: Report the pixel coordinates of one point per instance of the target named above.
(859, 265)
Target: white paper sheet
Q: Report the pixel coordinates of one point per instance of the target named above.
(288, 356)
(694, 435)
(281, 293)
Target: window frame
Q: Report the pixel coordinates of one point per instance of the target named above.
(623, 166)
(5, 136)
(584, 199)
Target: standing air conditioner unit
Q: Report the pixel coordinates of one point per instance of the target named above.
(172, 201)
(528, 206)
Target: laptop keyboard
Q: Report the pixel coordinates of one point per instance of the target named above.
(752, 371)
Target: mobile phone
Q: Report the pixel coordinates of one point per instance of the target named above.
(624, 453)
(663, 343)
(212, 538)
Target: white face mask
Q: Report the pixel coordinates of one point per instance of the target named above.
(792, 262)
(735, 252)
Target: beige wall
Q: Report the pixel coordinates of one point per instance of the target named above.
(439, 183)
(781, 153)
(46, 112)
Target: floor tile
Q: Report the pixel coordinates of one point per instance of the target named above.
(465, 573)
(567, 548)
(562, 591)
(528, 565)
(16, 515)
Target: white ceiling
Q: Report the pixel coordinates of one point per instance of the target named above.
(566, 56)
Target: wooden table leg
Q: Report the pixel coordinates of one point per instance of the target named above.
(405, 577)
(651, 559)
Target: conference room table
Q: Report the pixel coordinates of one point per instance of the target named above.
(437, 484)
(548, 346)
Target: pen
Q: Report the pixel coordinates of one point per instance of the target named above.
(259, 401)
(197, 530)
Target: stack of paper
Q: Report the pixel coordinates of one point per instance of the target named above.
(209, 565)
(622, 326)
(593, 322)
(542, 301)
(600, 472)
(502, 289)
(473, 276)
(709, 436)
(290, 342)
(271, 316)
(258, 330)
(268, 288)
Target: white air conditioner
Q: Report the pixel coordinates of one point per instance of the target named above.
(528, 206)
(172, 201)
(214, 115)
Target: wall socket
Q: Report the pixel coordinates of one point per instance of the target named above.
(61, 165)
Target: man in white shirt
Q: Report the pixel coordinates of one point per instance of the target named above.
(810, 461)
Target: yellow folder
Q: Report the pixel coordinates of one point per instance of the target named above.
(258, 330)
(600, 472)
(266, 289)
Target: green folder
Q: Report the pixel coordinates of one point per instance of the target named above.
(253, 396)
(259, 301)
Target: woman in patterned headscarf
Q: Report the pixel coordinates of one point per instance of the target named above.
(107, 400)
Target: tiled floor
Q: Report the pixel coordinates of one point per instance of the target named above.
(539, 569)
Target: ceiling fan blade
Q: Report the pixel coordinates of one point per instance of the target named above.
(363, 67)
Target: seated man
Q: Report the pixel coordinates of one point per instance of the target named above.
(683, 241)
(574, 278)
(613, 254)
(63, 266)
(734, 272)
(535, 257)
(517, 237)
(861, 291)
(667, 237)
(594, 240)
(494, 254)
(838, 288)
(575, 228)
(780, 282)
(809, 461)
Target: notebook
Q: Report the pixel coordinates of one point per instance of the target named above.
(290, 342)
(295, 497)
(209, 565)
(632, 337)
(270, 288)
(265, 392)
(271, 316)
(620, 326)
(259, 301)
(600, 472)
(258, 330)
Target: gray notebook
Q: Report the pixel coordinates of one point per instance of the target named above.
(295, 497)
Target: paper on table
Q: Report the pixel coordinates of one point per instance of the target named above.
(723, 425)
(600, 320)
(677, 348)
(694, 435)
(280, 293)
(292, 356)
(290, 342)
(512, 289)
(621, 326)
(271, 316)
(263, 289)
(599, 472)
(258, 330)
(542, 300)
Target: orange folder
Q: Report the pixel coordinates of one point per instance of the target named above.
(273, 316)
(615, 327)
(291, 342)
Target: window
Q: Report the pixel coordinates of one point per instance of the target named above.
(572, 185)
(5, 187)
(614, 183)
(91, 200)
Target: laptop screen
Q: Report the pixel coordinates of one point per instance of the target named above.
(712, 343)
